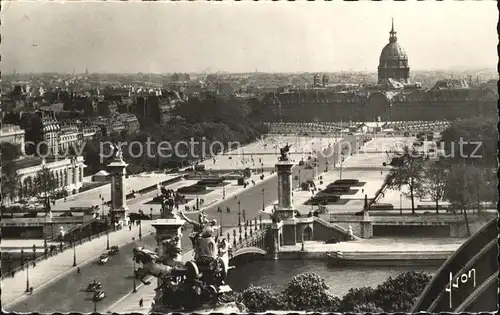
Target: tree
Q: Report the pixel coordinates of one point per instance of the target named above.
(476, 132)
(10, 182)
(308, 291)
(407, 171)
(399, 294)
(261, 299)
(464, 184)
(45, 186)
(356, 298)
(10, 151)
(433, 183)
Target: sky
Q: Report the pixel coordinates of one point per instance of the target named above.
(127, 37)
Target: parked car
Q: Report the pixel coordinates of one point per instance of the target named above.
(99, 295)
(113, 250)
(93, 287)
(103, 259)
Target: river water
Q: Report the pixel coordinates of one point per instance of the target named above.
(277, 273)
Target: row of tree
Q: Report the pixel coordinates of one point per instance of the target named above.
(464, 185)
(309, 292)
(465, 178)
(43, 186)
(215, 119)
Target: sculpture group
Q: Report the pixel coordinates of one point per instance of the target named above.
(196, 283)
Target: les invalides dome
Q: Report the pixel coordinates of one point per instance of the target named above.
(393, 61)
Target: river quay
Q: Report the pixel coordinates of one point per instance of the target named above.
(377, 251)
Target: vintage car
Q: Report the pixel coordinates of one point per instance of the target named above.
(93, 287)
(103, 259)
(99, 295)
(113, 250)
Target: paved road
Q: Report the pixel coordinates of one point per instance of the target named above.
(67, 295)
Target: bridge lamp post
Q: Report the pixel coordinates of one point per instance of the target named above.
(223, 189)
(102, 205)
(27, 277)
(401, 203)
(94, 300)
(34, 252)
(239, 213)
(74, 250)
(221, 223)
(341, 160)
(107, 233)
(140, 230)
(299, 180)
(263, 203)
(135, 287)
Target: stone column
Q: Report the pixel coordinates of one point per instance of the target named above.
(366, 226)
(285, 201)
(118, 190)
(285, 207)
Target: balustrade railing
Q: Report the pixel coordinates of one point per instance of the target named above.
(55, 252)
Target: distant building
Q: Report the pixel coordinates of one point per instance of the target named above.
(393, 98)
(68, 172)
(393, 61)
(68, 137)
(130, 122)
(156, 108)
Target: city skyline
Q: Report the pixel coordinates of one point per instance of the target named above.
(319, 37)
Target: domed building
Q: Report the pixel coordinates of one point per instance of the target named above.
(393, 62)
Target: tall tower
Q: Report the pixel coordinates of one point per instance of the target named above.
(285, 208)
(393, 61)
(119, 207)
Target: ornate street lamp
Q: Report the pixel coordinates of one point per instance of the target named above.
(34, 252)
(263, 203)
(27, 278)
(220, 222)
(140, 230)
(107, 234)
(299, 179)
(239, 214)
(74, 250)
(80, 234)
(134, 288)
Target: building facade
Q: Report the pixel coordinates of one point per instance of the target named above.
(67, 172)
(393, 61)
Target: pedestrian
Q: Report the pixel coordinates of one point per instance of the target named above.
(141, 302)
(130, 227)
(78, 272)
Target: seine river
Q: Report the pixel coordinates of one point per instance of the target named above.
(277, 273)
